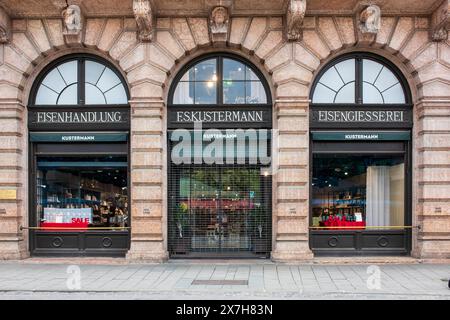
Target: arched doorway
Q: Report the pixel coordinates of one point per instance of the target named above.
(361, 121)
(78, 120)
(219, 138)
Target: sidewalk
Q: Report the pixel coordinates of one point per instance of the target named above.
(232, 280)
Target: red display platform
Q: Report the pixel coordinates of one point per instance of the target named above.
(50, 226)
(336, 223)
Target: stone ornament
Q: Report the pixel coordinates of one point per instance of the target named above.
(370, 19)
(219, 21)
(72, 19)
(294, 19)
(5, 26)
(143, 14)
(441, 23)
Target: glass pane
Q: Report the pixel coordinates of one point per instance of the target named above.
(250, 75)
(69, 95)
(394, 94)
(323, 94)
(233, 70)
(358, 190)
(386, 80)
(54, 81)
(74, 192)
(116, 95)
(46, 96)
(233, 92)
(184, 93)
(205, 92)
(108, 80)
(346, 94)
(94, 95)
(69, 71)
(255, 92)
(346, 70)
(371, 70)
(93, 71)
(189, 75)
(332, 79)
(371, 94)
(206, 70)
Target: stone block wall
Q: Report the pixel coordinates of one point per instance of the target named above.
(290, 68)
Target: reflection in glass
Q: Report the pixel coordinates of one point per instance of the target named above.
(205, 92)
(199, 84)
(233, 92)
(365, 189)
(82, 192)
(233, 70)
(206, 70)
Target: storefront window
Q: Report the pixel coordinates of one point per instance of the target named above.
(82, 192)
(352, 191)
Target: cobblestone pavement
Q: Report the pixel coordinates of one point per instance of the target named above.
(184, 280)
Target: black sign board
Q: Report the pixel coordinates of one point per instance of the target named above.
(374, 117)
(79, 119)
(220, 117)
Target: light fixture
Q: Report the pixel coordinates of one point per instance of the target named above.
(346, 173)
(210, 84)
(214, 77)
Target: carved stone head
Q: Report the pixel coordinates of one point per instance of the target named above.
(370, 19)
(72, 19)
(219, 20)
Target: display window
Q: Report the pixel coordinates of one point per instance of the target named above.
(354, 191)
(360, 191)
(78, 121)
(82, 192)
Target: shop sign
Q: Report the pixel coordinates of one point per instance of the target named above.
(367, 117)
(8, 194)
(361, 136)
(78, 137)
(220, 117)
(48, 119)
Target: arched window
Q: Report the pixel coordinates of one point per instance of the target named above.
(221, 80)
(360, 79)
(80, 80)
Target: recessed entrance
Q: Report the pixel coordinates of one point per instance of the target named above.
(219, 179)
(220, 210)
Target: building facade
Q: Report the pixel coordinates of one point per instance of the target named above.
(344, 108)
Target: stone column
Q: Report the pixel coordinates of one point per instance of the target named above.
(431, 206)
(13, 176)
(290, 182)
(148, 223)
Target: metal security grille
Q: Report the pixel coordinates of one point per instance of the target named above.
(219, 210)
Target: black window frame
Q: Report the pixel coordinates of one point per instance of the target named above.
(359, 56)
(81, 59)
(219, 83)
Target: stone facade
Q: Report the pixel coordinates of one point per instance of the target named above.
(289, 66)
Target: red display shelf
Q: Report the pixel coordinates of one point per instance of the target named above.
(342, 224)
(51, 226)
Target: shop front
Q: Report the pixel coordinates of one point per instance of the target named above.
(219, 121)
(78, 123)
(360, 120)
